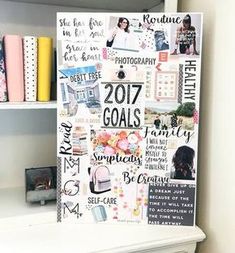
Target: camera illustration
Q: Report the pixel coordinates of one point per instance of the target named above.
(40, 184)
(121, 74)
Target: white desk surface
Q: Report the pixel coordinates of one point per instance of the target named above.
(84, 238)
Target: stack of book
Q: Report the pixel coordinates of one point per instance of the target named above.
(25, 68)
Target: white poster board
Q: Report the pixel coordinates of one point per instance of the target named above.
(128, 112)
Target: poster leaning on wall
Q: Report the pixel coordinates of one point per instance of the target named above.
(128, 114)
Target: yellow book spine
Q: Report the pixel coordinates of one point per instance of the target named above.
(44, 68)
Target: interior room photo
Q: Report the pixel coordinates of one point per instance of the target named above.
(116, 126)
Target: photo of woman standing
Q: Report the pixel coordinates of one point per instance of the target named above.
(120, 35)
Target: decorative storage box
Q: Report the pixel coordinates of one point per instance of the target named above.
(40, 184)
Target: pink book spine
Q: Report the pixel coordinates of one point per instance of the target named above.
(3, 86)
(14, 67)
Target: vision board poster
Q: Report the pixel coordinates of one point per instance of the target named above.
(128, 114)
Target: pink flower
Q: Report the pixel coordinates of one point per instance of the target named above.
(123, 144)
(138, 135)
(122, 134)
(104, 137)
(109, 150)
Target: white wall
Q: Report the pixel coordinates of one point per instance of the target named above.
(216, 191)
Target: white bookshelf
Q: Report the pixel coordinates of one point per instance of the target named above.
(28, 105)
(101, 238)
(27, 129)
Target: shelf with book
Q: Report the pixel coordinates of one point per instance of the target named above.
(27, 129)
(28, 105)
